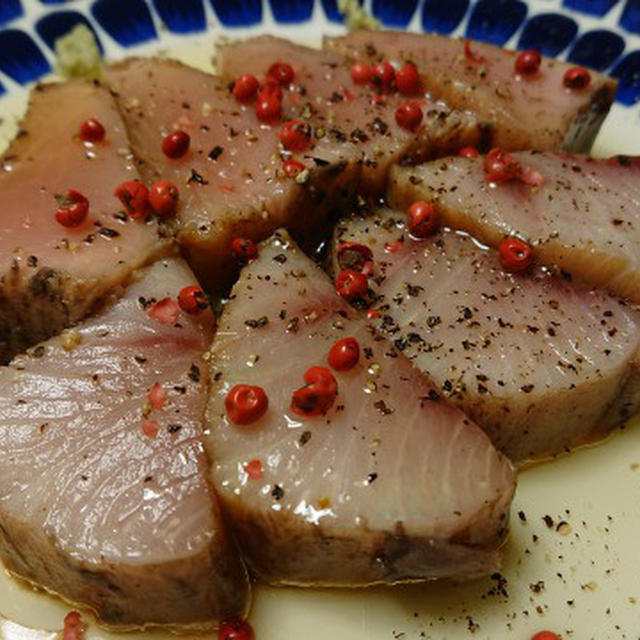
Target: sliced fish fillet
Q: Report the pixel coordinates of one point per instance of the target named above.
(390, 485)
(346, 112)
(522, 112)
(52, 276)
(584, 219)
(230, 181)
(92, 506)
(542, 364)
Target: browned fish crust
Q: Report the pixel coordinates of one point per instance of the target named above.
(280, 551)
(584, 128)
(133, 596)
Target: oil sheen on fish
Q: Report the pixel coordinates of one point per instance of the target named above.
(51, 276)
(583, 219)
(96, 506)
(542, 364)
(359, 118)
(390, 484)
(519, 111)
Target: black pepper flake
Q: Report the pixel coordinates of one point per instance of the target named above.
(32, 261)
(38, 352)
(180, 389)
(371, 478)
(381, 406)
(522, 516)
(108, 233)
(379, 125)
(548, 520)
(293, 325)
(433, 321)
(196, 177)
(320, 162)
(139, 359)
(358, 135)
(413, 290)
(174, 428)
(305, 436)
(400, 344)
(537, 587)
(257, 323)
(216, 152)
(277, 492)
(194, 373)
(280, 258)
(527, 388)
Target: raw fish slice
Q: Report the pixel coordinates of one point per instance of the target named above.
(231, 180)
(93, 506)
(584, 218)
(542, 364)
(51, 276)
(390, 485)
(524, 112)
(349, 112)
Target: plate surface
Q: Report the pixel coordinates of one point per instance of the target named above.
(571, 563)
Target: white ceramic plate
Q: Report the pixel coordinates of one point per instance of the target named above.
(571, 562)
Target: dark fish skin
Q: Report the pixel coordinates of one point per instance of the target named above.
(92, 508)
(542, 364)
(51, 276)
(392, 484)
(535, 112)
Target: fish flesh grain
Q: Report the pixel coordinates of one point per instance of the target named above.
(51, 276)
(520, 111)
(540, 363)
(583, 219)
(104, 497)
(361, 115)
(391, 484)
(231, 180)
